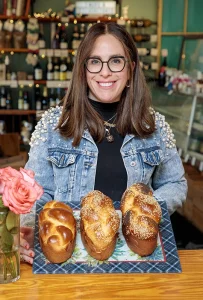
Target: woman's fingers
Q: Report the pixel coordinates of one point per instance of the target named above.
(26, 241)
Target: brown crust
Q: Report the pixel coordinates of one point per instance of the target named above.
(92, 250)
(135, 240)
(141, 214)
(57, 231)
(99, 225)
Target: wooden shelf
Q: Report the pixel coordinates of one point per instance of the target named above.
(40, 81)
(16, 50)
(17, 112)
(69, 19)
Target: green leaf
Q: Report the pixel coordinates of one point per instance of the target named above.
(2, 217)
(14, 230)
(11, 220)
(6, 240)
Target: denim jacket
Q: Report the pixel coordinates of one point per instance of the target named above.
(68, 173)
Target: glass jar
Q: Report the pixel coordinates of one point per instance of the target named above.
(9, 245)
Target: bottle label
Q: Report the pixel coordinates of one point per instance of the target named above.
(26, 106)
(63, 45)
(3, 101)
(50, 76)
(41, 44)
(56, 75)
(38, 105)
(20, 104)
(38, 74)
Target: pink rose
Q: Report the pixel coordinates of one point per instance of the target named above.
(6, 174)
(19, 189)
(20, 195)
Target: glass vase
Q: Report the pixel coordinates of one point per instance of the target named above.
(9, 245)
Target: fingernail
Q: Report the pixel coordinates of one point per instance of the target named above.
(26, 246)
(31, 254)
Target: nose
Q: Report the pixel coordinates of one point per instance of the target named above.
(105, 71)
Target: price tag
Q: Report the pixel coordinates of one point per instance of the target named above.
(57, 84)
(57, 53)
(50, 52)
(13, 84)
(42, 52)
(121, 22)
(26, 82)
(65, 19)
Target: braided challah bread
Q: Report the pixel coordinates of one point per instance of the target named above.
(141, 214)
(99, 225)
(57, 231)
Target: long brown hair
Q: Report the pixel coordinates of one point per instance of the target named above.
(133, 114)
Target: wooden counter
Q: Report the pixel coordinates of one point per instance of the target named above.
(187, 285)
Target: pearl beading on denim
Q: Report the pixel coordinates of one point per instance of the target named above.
(166, 132)
(49, 118)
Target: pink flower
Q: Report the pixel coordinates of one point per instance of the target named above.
(20, 190)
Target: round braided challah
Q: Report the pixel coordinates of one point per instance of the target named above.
(57, 231)
(141, 214)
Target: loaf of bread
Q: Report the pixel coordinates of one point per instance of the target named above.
(99, 225)
(141, 214)
(57, 231)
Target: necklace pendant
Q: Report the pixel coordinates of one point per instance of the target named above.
(110, 138)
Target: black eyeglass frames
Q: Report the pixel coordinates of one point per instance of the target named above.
(115, 64)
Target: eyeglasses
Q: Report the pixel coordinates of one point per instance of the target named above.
(115, 64)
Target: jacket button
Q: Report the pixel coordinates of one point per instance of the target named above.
(133, 163)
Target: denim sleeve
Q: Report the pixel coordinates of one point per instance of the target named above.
(168, 181)
(42, 168)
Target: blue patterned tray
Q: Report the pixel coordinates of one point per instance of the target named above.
(163, 260)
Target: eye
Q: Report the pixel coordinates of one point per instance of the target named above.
(116, 60)
(94, 61)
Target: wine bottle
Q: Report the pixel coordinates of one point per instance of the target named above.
(56, 40)
(76, 38)
(3, 98)
(8, 100)
(50, 69)
(45, 105)
(38, 72)
(147, 52)
(52, 101)
(56, 69)
(41, 39)
(69, 69)
(162, 71)
(20, 100)
(145, 38)
(58, 96)
(26, 104)
(8, 70)
(38, 99)
(9, 8)
(63, 69)
(142, 23)
(2, 69)
(82, 31)
(63, 38)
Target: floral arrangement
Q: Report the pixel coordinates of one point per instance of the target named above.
(18, 193)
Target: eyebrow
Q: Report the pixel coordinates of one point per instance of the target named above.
(111, 56)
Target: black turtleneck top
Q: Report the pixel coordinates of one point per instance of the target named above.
(111, 176)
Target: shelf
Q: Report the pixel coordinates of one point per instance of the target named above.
(197, 155)
(18, 50)
(65, 19)
(170, 113)
(17, 112)
(197, 126)
(30, 83)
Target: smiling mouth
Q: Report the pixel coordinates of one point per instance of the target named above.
(106, 84)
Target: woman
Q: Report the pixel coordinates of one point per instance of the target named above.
(105, 136)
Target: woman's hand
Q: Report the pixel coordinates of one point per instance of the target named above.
(27, 244)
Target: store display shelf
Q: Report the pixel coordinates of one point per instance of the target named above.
(170, 112)
(197, 126)
(18, 50)
(182, 139)
(30, 83)
(17, 112)
(197, 155)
